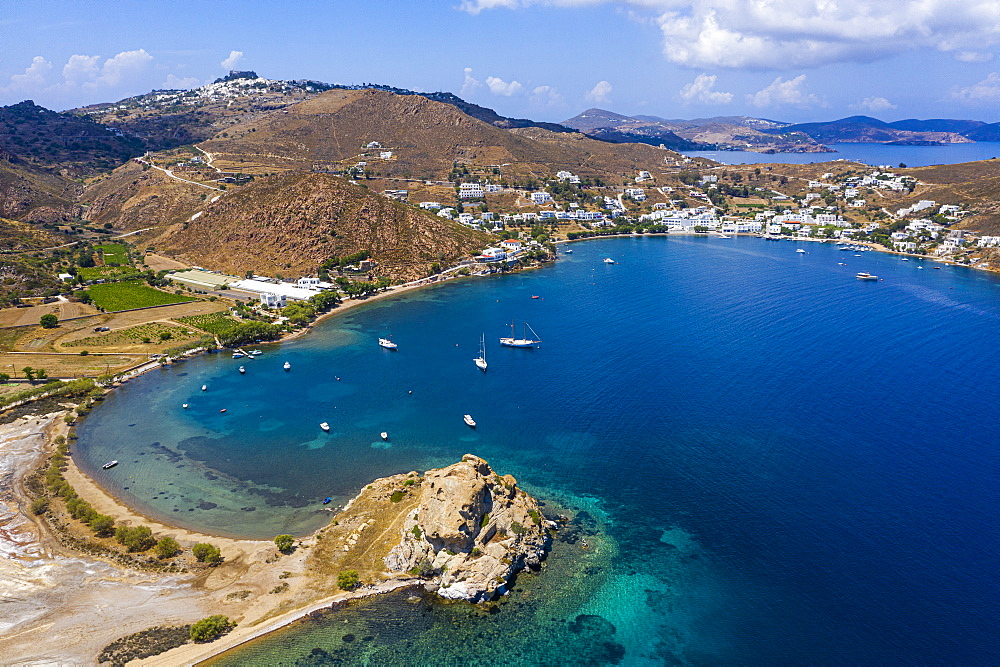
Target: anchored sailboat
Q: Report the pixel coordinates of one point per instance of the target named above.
(523, 341)
(481, 359)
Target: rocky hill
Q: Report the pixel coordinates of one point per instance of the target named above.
(33, 194)
(290, 223)
(471, 532)
(864, 129)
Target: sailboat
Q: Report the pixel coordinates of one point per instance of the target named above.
(481, 359)
(523, 341)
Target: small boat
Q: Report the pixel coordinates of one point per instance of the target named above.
(222, 410)
(287, 366)
(387, 343)
(841, 264)
(204, 387)
(866, 276)
(238, 355)
(242, 370)
(481, 359)
(936, 267)
(184, 405)
(385, 436)
(109, 465)
(857, 255)
(608, 260)
(325, 427)
(906, 259)
(800, 250)
(327, 500)
(723, 236)
(920, 267)
(469, 421)
(524, 341)
(254, 353)
(536, 297)
(568, 251)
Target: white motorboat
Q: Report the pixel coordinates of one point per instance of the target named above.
(469, 421)
(608, 260)
(800, 250)
(238, 355)
(723, 236)
(254, 353)
(204, 387)
(523, 341)
(287, 366)
(866, 276)
(906, 259)
(481, 359)
(242, 370)
(325, 427)
(109, 465)
(387, 343)
(568, 251)
(184, 405)
(385, 436)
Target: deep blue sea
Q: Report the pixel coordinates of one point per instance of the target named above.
(873, 154)
(772, 462)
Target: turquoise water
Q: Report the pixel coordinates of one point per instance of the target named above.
(873, 154)
(776, 463)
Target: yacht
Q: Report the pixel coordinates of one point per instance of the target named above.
(608, 260)
(524, 341)
(238, 355)
(255, 353)
(906, 259)
(109, 465)
(469, 421)
(242, 370)
(568, 251)
(864, 275)
(325, 427)
(800, 250)
(204, 387)
(481, 359)
(385, 436)
(184, 405)
(287, 366)
(723, 236)
(387, 343)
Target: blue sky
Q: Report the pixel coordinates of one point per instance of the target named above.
(795, 60)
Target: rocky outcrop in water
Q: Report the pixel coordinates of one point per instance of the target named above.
(472, 531)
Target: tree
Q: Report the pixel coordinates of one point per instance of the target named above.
(210, 628)
(29, 373)
(348, 580)
(206, 553)
(284, 543)
(138, 538)
(102, 525)
(40, 373)
(167, 547)
(4, 378)
(49, 321)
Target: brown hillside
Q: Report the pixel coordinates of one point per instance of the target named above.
(291, 223)
(426, 138)
(973, 185)
(32, 195)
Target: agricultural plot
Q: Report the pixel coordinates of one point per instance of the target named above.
(124, 296)
(103, 272)
(214, 323)
(114, 253)
(156, 333)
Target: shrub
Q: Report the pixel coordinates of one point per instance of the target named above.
(516, 528)
(284, 543)
(535, 516)
(348, 580)
(167, 547)
(417, 533)
(137, 538)
(206, 553)
(49, 321)
(409, 482)
(396, 496)
(211, 628)
(102, 525)
(39, 506)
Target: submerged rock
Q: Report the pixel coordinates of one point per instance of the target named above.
(473, 530)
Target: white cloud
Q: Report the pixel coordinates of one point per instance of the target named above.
(470, 84)
(784, 93)
(233, 60)
(545, 96)
(33, 76)
(600, 93)
(986, 91)
(700, 90)
(784, 34)
(500, 87)
(973, 56)
(874, 104)
(125, 66)
(81, 68)
(175, 82)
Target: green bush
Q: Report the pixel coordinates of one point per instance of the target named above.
(167, 547)
(284, 543)
(348, 580)
(102, 525)
(516, 528)
(49, 321)
(417, 533)
(396, 496)
(206, 553)
(39, 506)
(211, 628)
(137, 538)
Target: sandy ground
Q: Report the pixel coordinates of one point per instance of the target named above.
(161, 263)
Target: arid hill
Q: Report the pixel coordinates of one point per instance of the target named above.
(290, 223)
(426, 139)
(32, 194)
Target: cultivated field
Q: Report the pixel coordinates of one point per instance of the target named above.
(124, 296)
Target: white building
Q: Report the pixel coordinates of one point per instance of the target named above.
(541, 197)
(643, 176)
(385, 155)
(636, 194)
(492, 187)
(430, 205)
(273, 300)
(470, 191)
